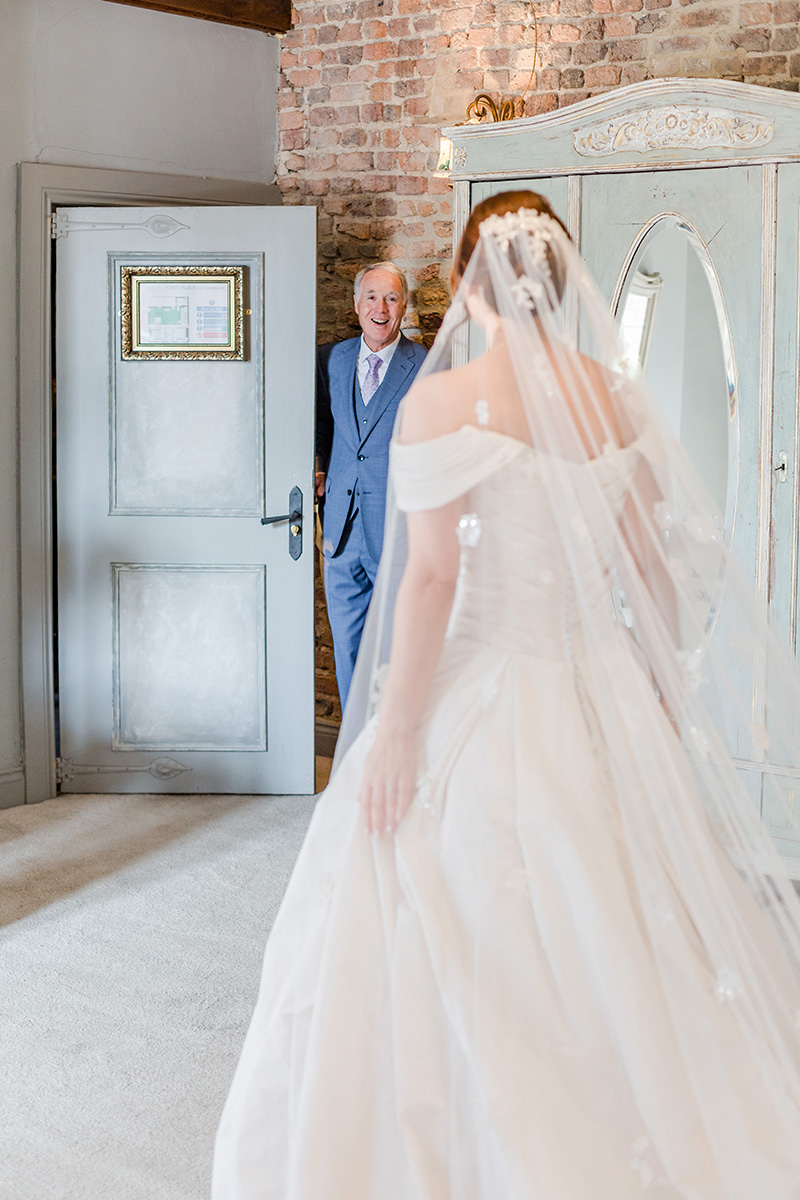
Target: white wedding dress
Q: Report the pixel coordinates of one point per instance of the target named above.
(478, 1008)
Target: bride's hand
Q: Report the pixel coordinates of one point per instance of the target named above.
(388, 782)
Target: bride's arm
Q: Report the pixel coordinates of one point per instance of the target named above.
(422, 610)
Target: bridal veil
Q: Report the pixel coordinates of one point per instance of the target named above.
(690, 699)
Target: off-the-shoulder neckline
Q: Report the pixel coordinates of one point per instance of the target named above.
(507, 437)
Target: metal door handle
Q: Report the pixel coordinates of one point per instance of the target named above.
(292, 516)
(295, 516)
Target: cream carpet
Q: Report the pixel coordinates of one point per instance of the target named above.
(132, 930)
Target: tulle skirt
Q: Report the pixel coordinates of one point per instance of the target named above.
(491, 1005)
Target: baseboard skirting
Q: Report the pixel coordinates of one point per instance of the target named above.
(325, 735)
(12, 787)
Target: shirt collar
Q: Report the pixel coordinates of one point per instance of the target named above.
(385, 354)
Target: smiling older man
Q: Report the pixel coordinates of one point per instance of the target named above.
(360, 383)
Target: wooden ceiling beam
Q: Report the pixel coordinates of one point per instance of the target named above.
(271, 16)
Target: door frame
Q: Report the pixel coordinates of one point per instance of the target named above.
(42, 188)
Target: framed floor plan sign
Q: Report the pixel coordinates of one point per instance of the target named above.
(182, 312)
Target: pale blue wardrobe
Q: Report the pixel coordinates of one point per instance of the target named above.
(684, 198)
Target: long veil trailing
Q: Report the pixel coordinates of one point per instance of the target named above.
(688, 698)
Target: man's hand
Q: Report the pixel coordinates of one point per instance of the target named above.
(319, 483)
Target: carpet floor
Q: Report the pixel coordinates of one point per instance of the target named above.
(132, 931)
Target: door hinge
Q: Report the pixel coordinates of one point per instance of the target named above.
(59, 224)
(64, 770)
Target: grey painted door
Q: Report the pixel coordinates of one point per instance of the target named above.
(185, 625)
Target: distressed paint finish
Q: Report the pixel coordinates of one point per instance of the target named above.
(185, 628)
(734, 180)
(550, 144)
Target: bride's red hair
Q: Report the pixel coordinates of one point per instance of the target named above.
(503, 202)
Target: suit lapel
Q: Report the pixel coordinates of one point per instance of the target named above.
(396, 377)
(343, 381)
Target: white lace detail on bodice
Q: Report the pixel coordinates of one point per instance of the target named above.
(513, 587)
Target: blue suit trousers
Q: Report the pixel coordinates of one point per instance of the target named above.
(349, 579)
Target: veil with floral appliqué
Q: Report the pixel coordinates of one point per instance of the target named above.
(651, 570)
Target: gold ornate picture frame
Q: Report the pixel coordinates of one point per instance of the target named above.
(182, 312)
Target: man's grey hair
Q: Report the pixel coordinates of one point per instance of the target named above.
(381, 266)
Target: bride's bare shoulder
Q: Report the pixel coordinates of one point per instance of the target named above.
(437, 404)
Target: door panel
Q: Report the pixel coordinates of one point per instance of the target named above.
(185, 628)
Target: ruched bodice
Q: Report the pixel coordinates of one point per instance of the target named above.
(514, 588)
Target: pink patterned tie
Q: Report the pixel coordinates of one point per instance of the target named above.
(370, 385)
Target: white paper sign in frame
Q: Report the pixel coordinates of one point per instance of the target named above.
(182, 312)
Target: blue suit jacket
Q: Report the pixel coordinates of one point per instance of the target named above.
(356, 458)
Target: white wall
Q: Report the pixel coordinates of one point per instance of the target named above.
(90, 83)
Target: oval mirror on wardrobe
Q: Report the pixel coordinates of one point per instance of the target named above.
(673, 321)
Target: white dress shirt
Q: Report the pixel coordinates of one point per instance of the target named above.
(385, 355)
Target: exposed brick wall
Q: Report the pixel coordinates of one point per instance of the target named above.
(366, 86)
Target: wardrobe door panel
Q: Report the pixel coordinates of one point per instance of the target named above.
(556, 190)
(696, 232)
(785, 526)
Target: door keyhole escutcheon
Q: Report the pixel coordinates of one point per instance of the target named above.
(295, 517)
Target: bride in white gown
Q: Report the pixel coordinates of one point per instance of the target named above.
(550, 954)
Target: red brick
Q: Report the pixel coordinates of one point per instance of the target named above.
(685, 41)
(589, 52)
(652, 21)
(666, 65)
(603, 75)
(784, 39)
(291, 120)
(409, 87)
(354, 229)
(633, 73)
(411, 185)
(416, 106)
(568, 98)
(565, 33)
(380, 50)
(293, 139)
(751, 39)
(358, 161)
(626, 50)
(759, 13)
(362, 74)
(406, 68)
(764, 64)
(620, 26)
(699, 18)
